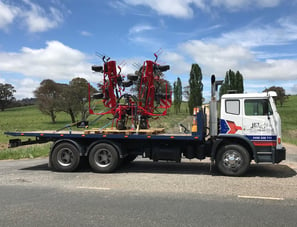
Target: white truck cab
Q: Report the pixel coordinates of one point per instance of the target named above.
(255, 117)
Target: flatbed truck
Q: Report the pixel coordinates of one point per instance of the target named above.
(249, 128)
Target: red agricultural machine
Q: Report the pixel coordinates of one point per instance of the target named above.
(151, 93)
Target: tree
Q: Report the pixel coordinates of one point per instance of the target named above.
(48, 94)
(233, 83)
(79, 88)
(178, 94)
(65, 102)
(74, 98)
(239, 84)
(6, 95)
(281, 94)
(196, 88)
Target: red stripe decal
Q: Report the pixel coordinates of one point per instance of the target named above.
(265, 143)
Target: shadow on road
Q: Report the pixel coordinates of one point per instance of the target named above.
(42, 167)
(195, 168)
(270, 170)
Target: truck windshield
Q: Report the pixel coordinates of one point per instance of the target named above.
(257, 107)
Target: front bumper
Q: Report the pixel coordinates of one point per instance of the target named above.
(280, 155)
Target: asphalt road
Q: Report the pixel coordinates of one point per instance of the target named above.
(148, 194)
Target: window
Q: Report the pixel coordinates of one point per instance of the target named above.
(257, 107)
(232, 107)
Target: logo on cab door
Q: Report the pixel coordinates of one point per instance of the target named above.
(229, 127)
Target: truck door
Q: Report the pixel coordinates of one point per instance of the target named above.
(231, 116)
(258, 125)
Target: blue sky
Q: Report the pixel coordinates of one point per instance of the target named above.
(59, 39)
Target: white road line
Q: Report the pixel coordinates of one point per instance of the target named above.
(259, 197)
(93, 188)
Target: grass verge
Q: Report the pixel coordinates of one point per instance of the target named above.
(289, 119)
(30, 151)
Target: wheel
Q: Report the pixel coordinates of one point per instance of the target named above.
(65, 157)
(103, 158)
(233, 160)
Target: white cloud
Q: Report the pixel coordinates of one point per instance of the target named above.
(215, 59)
(37, 20)
(281, 32)
(137, 35)
(2, 80)
(140, 28)
(177, 8)
(185, 8)
(56, 61)
(85, 33)
(25, 87)
(32, 16)
(130, 65)
(233, 5)
(282, 69)
(7, 15)
(177, 62)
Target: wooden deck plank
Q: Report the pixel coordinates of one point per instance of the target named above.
(149, 131)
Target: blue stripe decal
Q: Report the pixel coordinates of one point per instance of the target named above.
(262, 138)
(224, 126)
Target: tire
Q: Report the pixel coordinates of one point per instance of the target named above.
(103, 158)
(233, 160)
(65, 157)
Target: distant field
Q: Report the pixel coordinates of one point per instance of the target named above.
(288, 113)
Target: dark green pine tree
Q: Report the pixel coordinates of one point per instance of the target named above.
(175, 101)
(239, 79)
(179, 94)
(196, 88)
(233, 82)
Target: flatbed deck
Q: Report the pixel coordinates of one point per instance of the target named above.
(54, 135)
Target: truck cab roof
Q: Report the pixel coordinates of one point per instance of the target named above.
(250, 95)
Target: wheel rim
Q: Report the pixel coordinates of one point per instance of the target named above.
(65, 157)
(232, 160)
(103, 157)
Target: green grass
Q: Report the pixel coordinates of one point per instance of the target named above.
(40, 150)
(31, 119)
(288, 113)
